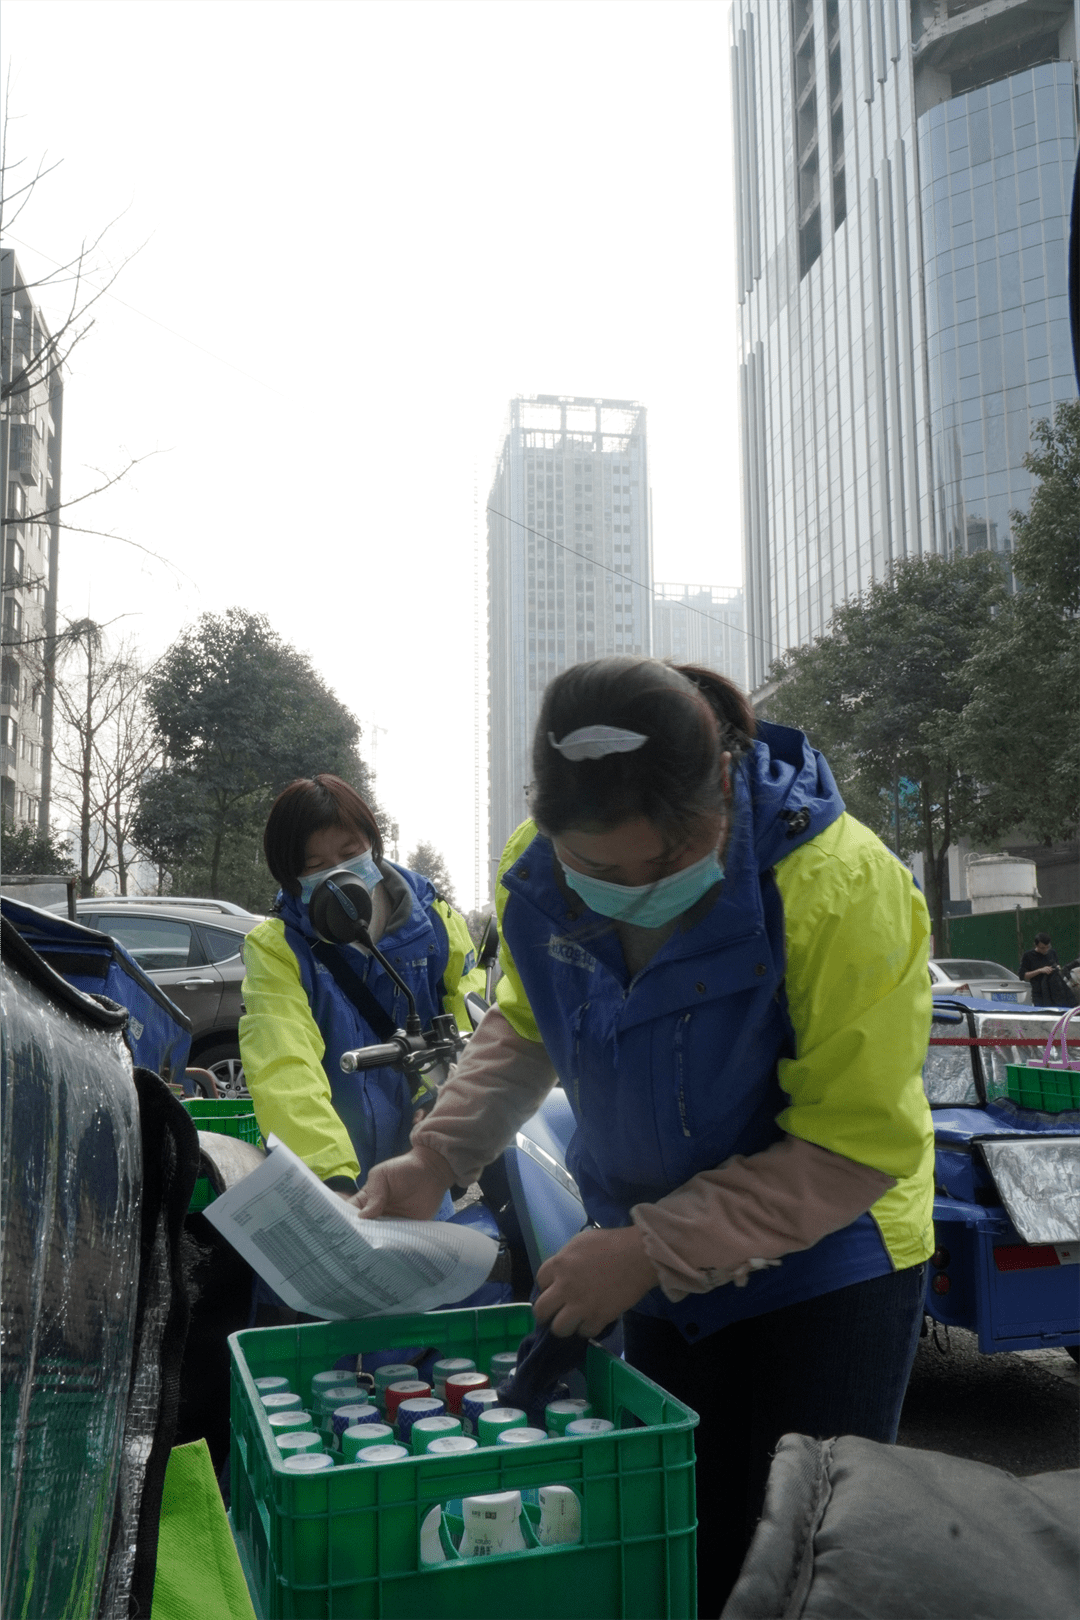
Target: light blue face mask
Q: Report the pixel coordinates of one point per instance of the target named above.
(362, 865)
(650, 905)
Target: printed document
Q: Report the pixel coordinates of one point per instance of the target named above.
(317, 1252)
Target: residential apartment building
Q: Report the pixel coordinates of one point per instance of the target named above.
(569, 568)
(31, 419)
(701, 624)
(903, 180)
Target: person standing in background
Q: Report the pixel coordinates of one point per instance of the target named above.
(1042, 970)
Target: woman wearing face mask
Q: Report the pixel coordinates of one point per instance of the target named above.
(728, 975)
(307, 1002)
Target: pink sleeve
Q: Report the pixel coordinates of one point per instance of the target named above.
(745, 1214)
(500, 1082)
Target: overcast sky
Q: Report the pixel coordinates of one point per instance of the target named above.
(361, 228)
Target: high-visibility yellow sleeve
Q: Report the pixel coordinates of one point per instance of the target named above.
(858, 992)
(510, 992)
(462, 973)
(282, 1051)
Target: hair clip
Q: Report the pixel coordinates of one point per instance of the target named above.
(593, 742)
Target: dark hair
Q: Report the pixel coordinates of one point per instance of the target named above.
(1042, 939)
(308, 805)
(691, 716)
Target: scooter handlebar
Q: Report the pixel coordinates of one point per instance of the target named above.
(372, 1057)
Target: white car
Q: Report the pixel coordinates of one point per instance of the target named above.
(987, 981)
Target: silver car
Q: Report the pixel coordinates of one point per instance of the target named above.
(967, 976)
(191, 948)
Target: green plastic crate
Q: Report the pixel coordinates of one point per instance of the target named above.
(346, 1545)
(226, 1116)
(1050, 1090)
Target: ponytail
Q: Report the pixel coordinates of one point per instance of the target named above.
(735, 717)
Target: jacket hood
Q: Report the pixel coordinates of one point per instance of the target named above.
(792, 790)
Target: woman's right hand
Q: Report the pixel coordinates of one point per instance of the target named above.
(410, 1187)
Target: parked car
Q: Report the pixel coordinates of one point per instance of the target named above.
(191, 948)
(987, 981)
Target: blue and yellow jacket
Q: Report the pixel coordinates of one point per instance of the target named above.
(297, 1022)
(793, 998)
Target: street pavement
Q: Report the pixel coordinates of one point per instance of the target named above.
(1018, 1411)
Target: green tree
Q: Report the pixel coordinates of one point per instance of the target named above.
(238, 714)
(1019, 731)
(430, 861)
(28, 849)
(880, 694)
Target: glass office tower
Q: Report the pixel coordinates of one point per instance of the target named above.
(903, 170)
(996, 170)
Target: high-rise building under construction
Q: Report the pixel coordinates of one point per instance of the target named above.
(701, 624)
(902, 174)
(569, 568)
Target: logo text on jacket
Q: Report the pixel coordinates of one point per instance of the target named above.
(564, 950)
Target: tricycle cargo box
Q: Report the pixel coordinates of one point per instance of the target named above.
(158, 1034)
(345, 1544)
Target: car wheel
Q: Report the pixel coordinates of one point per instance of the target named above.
(225, 1066)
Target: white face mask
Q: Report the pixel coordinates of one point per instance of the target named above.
(649, 905)
(363, 866)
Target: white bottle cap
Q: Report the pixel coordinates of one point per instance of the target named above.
(334, 1378)
(281, 1401)
(521, 1437)
(271, 1385)
(298, 1441)
(308, 1462)
(282, 1422)
(451, 1445)
(381, 1454)
(584, 1426)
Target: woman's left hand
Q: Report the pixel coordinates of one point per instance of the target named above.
(591, 1281)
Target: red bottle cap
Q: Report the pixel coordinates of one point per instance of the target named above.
(409, 1389)
(458, 1385)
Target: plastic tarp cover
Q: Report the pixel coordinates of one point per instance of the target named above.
(72, 1171)
(949, 1073)
(158, 1033)
(1039, 1184)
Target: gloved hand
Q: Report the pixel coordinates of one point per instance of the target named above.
(410, 1187)
(592, 1280)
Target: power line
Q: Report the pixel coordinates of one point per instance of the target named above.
(641, 586)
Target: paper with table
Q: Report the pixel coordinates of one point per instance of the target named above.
(325, 1260)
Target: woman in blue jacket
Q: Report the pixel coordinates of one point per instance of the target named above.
(307, 1002)
(727, 973)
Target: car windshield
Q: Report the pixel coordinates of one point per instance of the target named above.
(960, 968)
